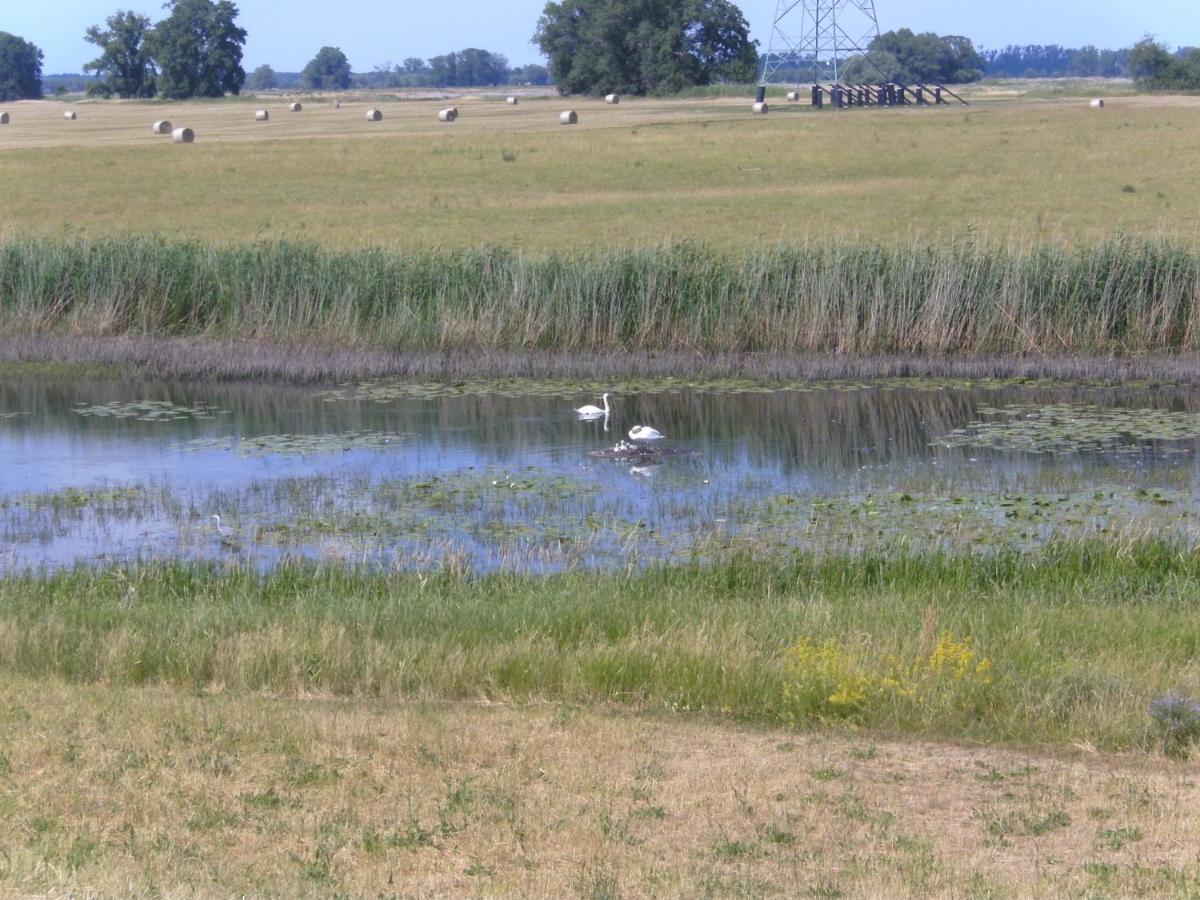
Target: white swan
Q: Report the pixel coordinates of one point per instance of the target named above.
(590, 411)
(645, 433)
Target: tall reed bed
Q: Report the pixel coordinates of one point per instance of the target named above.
(1120, 297)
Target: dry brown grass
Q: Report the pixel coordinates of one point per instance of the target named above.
(150, 791)
(644, 172)
(39, 124)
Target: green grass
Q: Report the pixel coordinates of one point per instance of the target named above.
(1079, 637)
(1120, 296)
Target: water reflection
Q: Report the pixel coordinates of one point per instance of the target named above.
(507, 479)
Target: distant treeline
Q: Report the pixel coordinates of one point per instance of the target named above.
(471, 67)
(1053, 61)
(1153, 64)
(430, 73)
(67, 82)
(905, 56)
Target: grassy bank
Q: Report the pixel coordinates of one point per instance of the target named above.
(1119, 297)
(1068, 645)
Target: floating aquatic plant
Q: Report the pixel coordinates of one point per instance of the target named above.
(149, 410)
(299, 444)
(388, 390)
(1071, 428)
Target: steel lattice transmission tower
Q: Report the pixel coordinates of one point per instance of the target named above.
(816, 35)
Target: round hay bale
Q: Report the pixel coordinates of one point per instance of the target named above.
(612, 99)
(511, 101)
(262, 115)
(162, 126)
(374, 115)
(1098, 103)
(69, 115)
(3, 118)
(793, 96)
(447, 115)
(568, 117)
(760, 108)
(295, 107)
(183, 136)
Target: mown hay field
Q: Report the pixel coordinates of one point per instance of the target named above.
(644, 172)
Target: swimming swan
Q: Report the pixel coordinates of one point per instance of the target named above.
(589, 411)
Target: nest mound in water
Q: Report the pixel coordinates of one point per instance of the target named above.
(637, 452)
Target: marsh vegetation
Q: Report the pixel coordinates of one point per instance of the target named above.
(430, 612)
(1120, 297)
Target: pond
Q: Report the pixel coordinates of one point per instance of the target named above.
(505, 475)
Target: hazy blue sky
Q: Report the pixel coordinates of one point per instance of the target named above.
(287, 34)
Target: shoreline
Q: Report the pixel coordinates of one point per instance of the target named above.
(203, 358)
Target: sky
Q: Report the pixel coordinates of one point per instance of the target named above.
(286, 35)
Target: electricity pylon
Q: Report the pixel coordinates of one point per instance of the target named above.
(817, 36)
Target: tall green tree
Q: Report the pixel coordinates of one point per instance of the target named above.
(644, 46)
(481, 67)
(329, 70)
(20, 69)
(443, 70)
(124, 64)
(471, 67)
(1156, 68)
(198, 48)
(262, 79)
(909, 58)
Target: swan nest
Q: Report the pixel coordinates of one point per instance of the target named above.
(639, 452)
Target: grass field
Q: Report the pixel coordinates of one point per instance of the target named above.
(154, 792)
(644, 172)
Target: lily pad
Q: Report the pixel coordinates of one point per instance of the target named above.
(1073, 428)
(299, 444)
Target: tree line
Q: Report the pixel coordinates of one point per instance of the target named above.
(330, 70)
(1053, 61)
(196, 51)
(907, 57)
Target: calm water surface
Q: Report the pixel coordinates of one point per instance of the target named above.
(94, 471)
